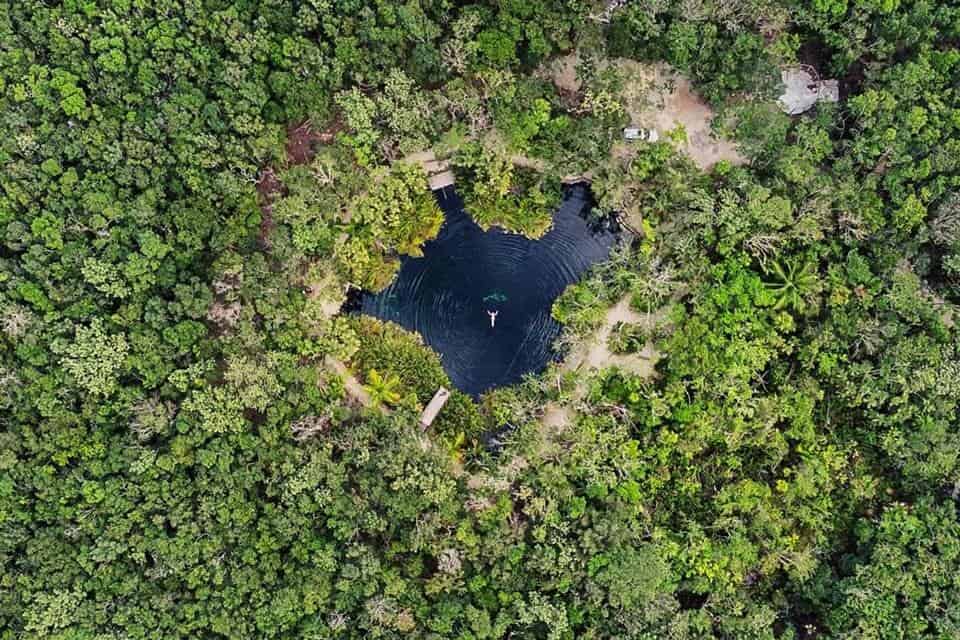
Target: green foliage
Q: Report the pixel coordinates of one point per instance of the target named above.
(398, 120)
(176, 461)
(793, 285)
(359, 112)
(627, 338)
(581, 307)
(401, 356)
(364, 218)
(383, 390)
(497, 193)
(397, 210)
(95, 358)
(716, 48)
(902, 581)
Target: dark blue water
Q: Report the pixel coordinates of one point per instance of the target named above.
(466, 272)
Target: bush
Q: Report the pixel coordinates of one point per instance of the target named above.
(392, 350)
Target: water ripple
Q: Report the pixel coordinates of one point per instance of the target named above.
(466, 272)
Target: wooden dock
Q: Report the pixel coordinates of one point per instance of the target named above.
(433, 407)
(439, 175)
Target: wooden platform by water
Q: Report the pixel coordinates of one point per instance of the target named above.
(433, 407)
(439, 175)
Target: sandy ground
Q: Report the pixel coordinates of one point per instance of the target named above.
(593, 354)
(655, 96)
(658, 97)
(682, 106)
(330, 307)
(324, 288)
(556, 417)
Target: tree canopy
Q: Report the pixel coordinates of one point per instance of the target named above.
(191, 188)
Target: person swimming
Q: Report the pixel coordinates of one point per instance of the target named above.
(493, 318)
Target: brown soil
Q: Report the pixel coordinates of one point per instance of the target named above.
(556, 417)
(300, 141)
(303, 138)
(593, 354)
(300, 149)
(269, 188)
(269, 185)
(563, 72)
(655, 96)
(672, 102)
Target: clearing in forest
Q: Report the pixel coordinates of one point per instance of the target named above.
(655, 96)
(673, 102)
(593, 354)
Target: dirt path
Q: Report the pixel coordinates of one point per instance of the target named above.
(326, 290)
(526, 162)
(537, 164)
(269, 188)
(556, 417)
(353, 386)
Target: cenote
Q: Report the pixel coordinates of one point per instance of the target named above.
(467, 273)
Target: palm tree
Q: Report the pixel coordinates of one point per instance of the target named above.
(383, 389)
(794, 283)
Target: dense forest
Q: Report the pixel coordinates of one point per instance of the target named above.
(191, 188)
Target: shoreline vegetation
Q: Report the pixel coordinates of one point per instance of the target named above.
(754, 435)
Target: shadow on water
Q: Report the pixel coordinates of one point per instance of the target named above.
(466, 274)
